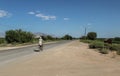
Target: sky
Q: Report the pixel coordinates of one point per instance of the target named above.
(60, 17)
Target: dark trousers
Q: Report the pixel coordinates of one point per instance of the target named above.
(41, 47)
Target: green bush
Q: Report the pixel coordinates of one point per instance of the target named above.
(18, 36)
(96, 44)
(100, 46)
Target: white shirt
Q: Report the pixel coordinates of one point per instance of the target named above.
(40, 41)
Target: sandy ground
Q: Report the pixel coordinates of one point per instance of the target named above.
(71, 59)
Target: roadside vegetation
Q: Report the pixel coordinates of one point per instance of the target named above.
(67, 37)
(2, 40)
(20, 37)
(103, 45)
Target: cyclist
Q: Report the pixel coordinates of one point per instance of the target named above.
(40, 44)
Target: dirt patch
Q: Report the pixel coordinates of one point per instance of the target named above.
(71, 59)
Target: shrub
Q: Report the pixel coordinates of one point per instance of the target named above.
(103, 47)
(92, 35)
(96, 44)
(18, 36)
(2, 40)
(118, 52)
(115, 47)
(104, 51)
(107, 45)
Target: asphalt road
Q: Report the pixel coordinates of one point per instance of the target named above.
(8, 56)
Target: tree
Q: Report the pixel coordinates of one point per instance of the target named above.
(49, 37)
(67, 37)
(11, 36)
(92, 35)
(117, 39)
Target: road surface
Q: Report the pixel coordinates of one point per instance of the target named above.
(70, 59)
(10, 55)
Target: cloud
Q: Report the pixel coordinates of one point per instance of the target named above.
(45, 17)
(42, 16)
(4, 13)
(32, 13)
(89, 24)
(66, 19)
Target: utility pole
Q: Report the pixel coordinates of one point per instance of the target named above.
(85, 32)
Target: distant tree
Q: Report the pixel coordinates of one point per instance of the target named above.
(83, 37)
(44, 38)
(92, 35)
(117, 39)
(49, 37)
(67, 37)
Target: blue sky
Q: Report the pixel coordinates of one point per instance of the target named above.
(59, 17)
